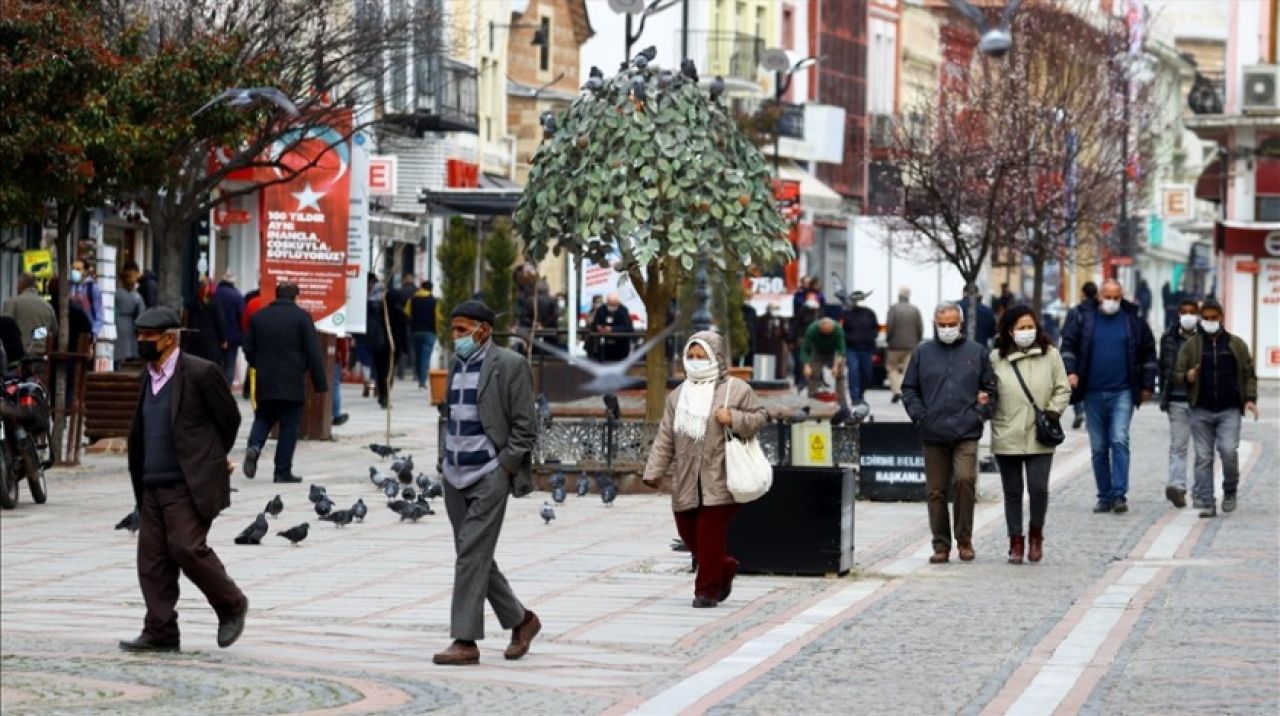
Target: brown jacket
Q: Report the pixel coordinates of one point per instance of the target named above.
(205, 420)
(696, 469)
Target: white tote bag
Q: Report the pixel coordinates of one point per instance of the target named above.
(747, 469)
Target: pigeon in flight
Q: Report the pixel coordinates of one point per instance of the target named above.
(323, 505)
(359, 510)
(606, 378)
(995, 41)
(317, 492)
(130, 522)
(584, 485)
(247, 96)
(274, 507)
(339, 518)
(254, 533)
(383, 451)
(548, 513)
(295, 534)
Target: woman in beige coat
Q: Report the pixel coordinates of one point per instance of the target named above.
(689, 451)
(1020, 342)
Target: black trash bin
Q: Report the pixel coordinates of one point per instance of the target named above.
(802, 526)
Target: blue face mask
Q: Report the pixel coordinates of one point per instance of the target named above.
(466, 346)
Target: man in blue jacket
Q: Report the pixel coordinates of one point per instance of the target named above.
(947, 391)
(1110, 355)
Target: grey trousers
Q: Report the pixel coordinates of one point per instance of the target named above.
(1220, 430)
(476, 514)
(1179, 443)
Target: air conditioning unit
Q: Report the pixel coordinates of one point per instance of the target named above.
(881, 131)
(1261, 88)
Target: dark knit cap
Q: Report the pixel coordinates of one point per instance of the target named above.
(475, 310)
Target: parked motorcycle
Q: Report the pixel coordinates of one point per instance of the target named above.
(25, 452)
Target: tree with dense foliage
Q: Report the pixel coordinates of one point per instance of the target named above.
(644, 165)
(500, 255)
(457, 255)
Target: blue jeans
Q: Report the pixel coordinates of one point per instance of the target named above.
(423, 344)
(1108, 414)
(270, 412)
(1179, 441)
(336, 389)
(860, 374)
(1218, 430)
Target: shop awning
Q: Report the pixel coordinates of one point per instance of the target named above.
(1209, 185)
(393, 229)
(815, 196)
(1251, 238)
(491, 201)
(1266, 179)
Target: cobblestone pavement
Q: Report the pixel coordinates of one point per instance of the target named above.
(1150, 612)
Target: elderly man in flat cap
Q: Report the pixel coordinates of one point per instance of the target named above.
(485, 457)
(185, 424)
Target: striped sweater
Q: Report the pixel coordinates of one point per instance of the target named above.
(469, 454)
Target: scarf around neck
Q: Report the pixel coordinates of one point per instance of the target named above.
(697, 398)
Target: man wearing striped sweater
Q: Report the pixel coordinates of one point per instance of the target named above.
(485, 456)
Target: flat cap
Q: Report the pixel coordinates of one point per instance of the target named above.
(158, 318)
(475, 310)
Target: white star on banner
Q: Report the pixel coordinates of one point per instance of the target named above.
(308, 197)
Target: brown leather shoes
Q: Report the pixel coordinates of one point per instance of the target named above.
(459, 653)
(940, 556)
(1017, 548)
(1035, 544)
(522, 636)
(966, 552)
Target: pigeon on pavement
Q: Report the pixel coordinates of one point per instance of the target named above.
(390, 488)
(254, 533)
(548, 513)
(317, 492)
(413, 512)
(402, 468)
(359, 510)
(584, 485)
(408, 494)
(339, 518)
(383, 451)
(130, 522)
(558, 494)
(324, 505)
(377, 479)
(609, 494)
(396, 506)
(295, 534)
(275, 507)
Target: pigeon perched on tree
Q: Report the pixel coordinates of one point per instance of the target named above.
(359, 510)
(130, 522)
(548, 513)
(274, 507)
(717, 88)
(595, 81)
(584, 485)
(246, 96)
(548, 120)
(606, 378)
(642, 60)
(254, 533)
(995, 41)
(339, 518)
(323, 505)
(317, 492)
(638, 92)
(390, 488)
(689, 69)
(295, 534)
(665, 78)
(383, 451)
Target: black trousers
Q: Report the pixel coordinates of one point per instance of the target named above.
(1036, 468)
(171, 538)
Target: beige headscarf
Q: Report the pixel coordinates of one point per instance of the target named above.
(697, 394)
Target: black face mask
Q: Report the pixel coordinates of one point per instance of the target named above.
(149, 350)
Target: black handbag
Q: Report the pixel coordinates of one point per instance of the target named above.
(1048, 428)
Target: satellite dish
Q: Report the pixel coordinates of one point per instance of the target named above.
(774, 59)
(627, 7)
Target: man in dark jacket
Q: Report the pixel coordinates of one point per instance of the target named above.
(1110, 356)
(183, 428)
(281, 346)
(397, 300)
(861, 328)
(1089, 298)
(231, 303)
(947, 392)
(420, 311)
(1217, 370)
(984, 330)
(613, 317)
(1173, 400)
(485, 456)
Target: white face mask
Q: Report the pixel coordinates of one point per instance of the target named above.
(1110, 306)
(948, 334)
(1188, 321)
(1210, 326)
(699, 368)
(1024, 338)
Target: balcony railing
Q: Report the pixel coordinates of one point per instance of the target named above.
(439, 96)
(733, 55)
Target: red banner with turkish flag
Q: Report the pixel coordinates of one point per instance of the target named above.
(304, 219)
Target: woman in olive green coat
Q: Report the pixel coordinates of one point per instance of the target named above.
(1021, 343)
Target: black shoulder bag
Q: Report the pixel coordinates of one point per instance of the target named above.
(1048, 429)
